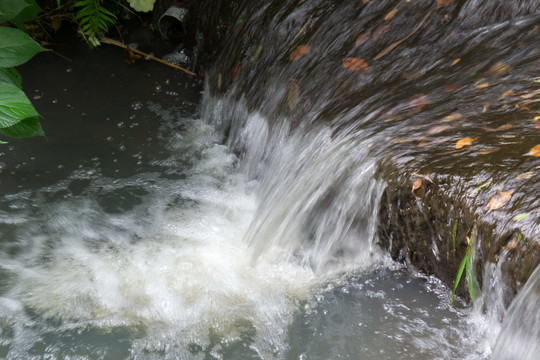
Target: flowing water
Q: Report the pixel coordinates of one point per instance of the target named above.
(156, 225)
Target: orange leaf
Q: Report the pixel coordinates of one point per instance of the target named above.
(535, 151)
(498, 200)
(354, 64)
(456, 61)
(482, 85)
(441, 3)
(465, 142)
(390, 15)
(300, 51)
(416, 184)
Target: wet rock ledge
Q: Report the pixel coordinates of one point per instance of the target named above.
(451, 87)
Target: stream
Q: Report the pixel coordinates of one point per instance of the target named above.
(161, 220)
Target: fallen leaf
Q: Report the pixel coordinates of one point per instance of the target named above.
(498, 68)
(452, 116)
(438, 129)
(531, 94)
(293, 95)
(390, 15)
(425, 177)
(465, 142)
(416, 184)
(441, 3)
(499, 200)
(535, 151)
(482, 85)
(452, 88)
(354, 64)
(537, 118)
(521, 216)
(300, 51)
(219, 81)
(418, 189)
(508, 93)
(379, 33)
(419, 101)
(488, 150)
(512, 243)
(56, 23)
(456, 61)
(235, 70)
(362, 38)
(481, 186)
(257, 53)
(527, 175)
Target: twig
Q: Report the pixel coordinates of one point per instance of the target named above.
(394, 45)
(119, 44)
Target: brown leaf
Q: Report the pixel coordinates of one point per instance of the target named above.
(535, 151)
(419, 101)
(488, 150)
(498, 68)
(465, 142)
(390, 15)
(293, 95)
(219, 81)
(499, 200)
(441, 3)
(527, 175)
(508, 93)
(438, 129)
(56, 23)
(512, 243)
(379, 33)
(456, 61)
(235, 70)
(452, 116)
(300, 51)
(355, 64)
(362, 38)
(418, 189)
(425, 177)
(452, 88)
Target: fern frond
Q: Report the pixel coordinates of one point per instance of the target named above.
(93, 19)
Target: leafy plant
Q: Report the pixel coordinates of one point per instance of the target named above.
(467, 265)
(93, 19)
(18, 117)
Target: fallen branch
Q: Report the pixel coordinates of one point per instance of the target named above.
(123, 46)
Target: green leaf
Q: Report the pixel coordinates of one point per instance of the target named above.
(14, 105)
(468, 273)
(26, 128)
(11, 8)
(16, 47)
(28, 13)
(521, 216)
(11, 76)
(257, 53)
(459, 273)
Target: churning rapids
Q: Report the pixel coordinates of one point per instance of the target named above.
(141, 231)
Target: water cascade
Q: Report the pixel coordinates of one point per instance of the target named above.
(245, 226)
